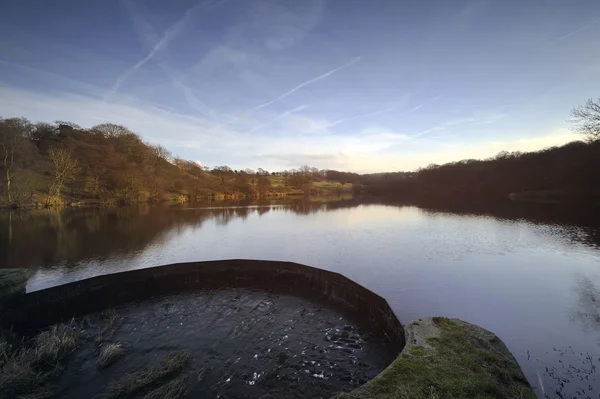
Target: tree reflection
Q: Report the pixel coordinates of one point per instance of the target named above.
(47, 237)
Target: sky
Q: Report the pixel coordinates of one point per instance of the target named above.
(358, 85)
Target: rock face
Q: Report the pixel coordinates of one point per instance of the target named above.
(12, 283)
(448, 358)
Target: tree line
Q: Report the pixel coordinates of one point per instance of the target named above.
(568, 172)
(50, 164)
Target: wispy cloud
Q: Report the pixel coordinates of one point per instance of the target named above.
(284, 24)
(306, 83)
(170, 34)
(74, 84)
(471, 11)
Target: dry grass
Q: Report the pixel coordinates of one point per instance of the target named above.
(25, 370)
(144, 380)
(52, 345)
(176, 388)
(110, 353)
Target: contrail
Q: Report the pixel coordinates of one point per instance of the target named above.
(171, 33)
(280, 116)
(433, 129)
(145, 31)
(568, 35)
(383, 111)
(304, 84)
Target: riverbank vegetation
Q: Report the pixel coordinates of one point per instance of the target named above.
(46, 164)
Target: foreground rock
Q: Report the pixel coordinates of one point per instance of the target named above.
(448, 358)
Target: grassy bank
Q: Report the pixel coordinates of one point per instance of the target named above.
(448, 358)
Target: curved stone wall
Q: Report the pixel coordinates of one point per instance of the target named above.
(51, 305)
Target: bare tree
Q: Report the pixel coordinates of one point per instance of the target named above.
(93, 185)
(69, 124)
(13, 147)
(65, 169)
(158, 155)
(587, 119)
(264, 184)
(182, 164)
(111, 130)
(161, 152)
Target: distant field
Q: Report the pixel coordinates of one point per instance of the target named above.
(332, 185)
(276, 180)
(323, 186)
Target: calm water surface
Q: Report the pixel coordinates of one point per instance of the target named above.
(529, 273)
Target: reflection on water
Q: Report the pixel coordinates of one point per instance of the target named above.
(527, 272)
(46, 237)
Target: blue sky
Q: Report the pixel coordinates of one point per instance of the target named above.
(365, 86)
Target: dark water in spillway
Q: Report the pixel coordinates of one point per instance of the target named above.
(243, 344)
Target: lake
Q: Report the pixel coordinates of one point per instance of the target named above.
(529, 273)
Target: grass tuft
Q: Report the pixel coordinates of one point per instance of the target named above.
(147, 379)
(24, 372)
(54, 344)
(176, 388)
(110, 353)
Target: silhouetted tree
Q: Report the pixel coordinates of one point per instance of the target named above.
(587, 119)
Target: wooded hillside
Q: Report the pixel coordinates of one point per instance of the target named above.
(60, 163)
(568, 172)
